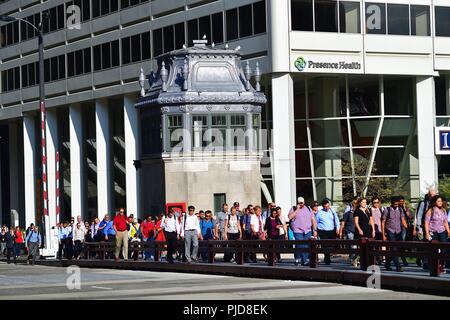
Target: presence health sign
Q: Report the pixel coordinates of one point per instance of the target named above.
(327, 63)
(442, 140)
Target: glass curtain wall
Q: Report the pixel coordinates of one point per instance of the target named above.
(354, 136)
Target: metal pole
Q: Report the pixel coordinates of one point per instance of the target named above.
(46, 226)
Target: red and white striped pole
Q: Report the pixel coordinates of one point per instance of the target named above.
(44, 159)
(57, 186)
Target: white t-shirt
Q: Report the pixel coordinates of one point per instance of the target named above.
(254, 222)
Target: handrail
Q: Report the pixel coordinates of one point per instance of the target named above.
(367, 249)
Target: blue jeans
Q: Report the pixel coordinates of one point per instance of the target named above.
(393, 237)
(442, 237)
(151, 250)
(303, 256)
(351, 236)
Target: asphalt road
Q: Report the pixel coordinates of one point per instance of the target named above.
(50, 283)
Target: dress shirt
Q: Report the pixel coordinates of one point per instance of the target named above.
(62, 233)
(327, 220)
(191, 223)
(257, 223)
(109, 230)
(78, 234)
(170, 224)
(33, 237)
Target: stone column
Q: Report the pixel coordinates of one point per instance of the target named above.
(77, 161)
(29, 150)
(103, 140)
(283, 140)
(132, 152)
(425, 104)
(279, 35)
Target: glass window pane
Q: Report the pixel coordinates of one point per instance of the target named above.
(106, 55)
(364, 96)
(114, 5)
(245, 21)
(71, 64)
(61, 67)
(61, 16)
(259, 17)
(302, 164)
(32, 77)
(157, 42)
(330, 188)
(192, 31)
(179, 35)
(302, 15)
(104, 6)
(420, 20)
(331, 163)
(388, 160)
(86, 10)
(328, 133)
(136, 48)
(217, 27)
(305, 190)
(364, 131)
(24, 76)
(168, 39)
(440, 85)
(46, 70)
(232, 24)
(398, 96)
(398, 19)
(397, 132)
(115, 53)
(95, 8)
(145, 45)
(301, 139)
(78, 62)
(324, 98)
(376, 18)
(53, 20)
(442, 18)
(204, 25)
(87, 60)
(349, 17)
(326, 15)
(126, 57)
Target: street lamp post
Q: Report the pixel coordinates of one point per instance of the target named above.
(39, 29)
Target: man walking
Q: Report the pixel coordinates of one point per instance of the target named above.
(10, 240)
(120, 224)
(191, 233)
(302, 220)
(327, 225)
(220, 222)
(33, 241)
(171, 227)
(391, 226)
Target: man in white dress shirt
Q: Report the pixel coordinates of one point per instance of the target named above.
(171, 228)
(191, 232)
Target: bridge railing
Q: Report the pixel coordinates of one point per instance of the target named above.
(368, 250)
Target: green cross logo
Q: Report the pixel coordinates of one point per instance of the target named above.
(300, 64)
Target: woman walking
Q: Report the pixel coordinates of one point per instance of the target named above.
(233, 231)
(272, 227)
(436, 223)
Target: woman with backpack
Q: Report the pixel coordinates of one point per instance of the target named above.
(233, 231)
(436, 223)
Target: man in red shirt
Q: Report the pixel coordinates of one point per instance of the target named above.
(120, 223)
(148, 235)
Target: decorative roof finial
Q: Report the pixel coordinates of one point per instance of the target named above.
(142, 82)
(164, 76)
(258, 77)
(248, 75)
(185, 71)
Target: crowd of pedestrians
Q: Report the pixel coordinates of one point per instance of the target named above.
(362, 218)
